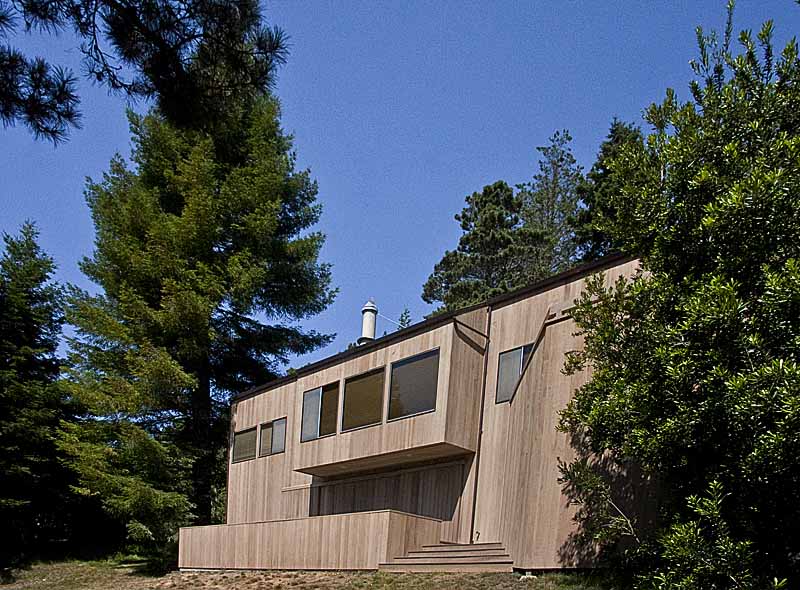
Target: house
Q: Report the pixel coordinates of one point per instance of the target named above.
(433, 448)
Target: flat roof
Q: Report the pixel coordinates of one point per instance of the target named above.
(439, 319)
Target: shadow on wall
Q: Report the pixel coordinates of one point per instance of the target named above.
(616, 506)
(433, 491)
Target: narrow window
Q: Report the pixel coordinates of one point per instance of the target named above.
(278, 436)
(363, 400)
(509, 369)
(244, 445)
(412, 387)
(320, 408)
(273, 438)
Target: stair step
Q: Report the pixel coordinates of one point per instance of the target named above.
(446, 560)
(499, 567)
(462, 546)
(446, 554)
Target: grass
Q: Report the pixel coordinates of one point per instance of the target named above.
(113, 575)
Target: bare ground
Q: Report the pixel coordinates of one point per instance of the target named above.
(106, 575)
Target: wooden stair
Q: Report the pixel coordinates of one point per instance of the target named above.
(453, 557)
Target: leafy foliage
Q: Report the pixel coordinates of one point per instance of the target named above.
(194, 57)
(695, 373)
(204, 258)
(510, 239)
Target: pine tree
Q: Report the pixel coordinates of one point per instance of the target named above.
(549, 203)
(598, 191)
(488, 258)
(33, 484)
(191, 56)
(205, 260)
(404, 321)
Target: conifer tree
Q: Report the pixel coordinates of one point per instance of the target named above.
(487, 261)
(598, 191)
(511, 239)
(33, 484)
(192, 57)
(205, 259)
(549, 203)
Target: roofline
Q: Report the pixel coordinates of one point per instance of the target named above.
(440, 319)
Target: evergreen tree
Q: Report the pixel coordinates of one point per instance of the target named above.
(404, 321)
(695, 361)
(488, 260)
(192, 56)
(549, 203)
(511, 239)
(33, 485)
(598, 190)
(205, 259)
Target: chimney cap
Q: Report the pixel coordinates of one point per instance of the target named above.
(369, 306)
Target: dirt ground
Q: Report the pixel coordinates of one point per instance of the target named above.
(77, 575)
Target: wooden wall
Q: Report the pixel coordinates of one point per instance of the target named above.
(519, 500)
(339, 542)
(273, 487)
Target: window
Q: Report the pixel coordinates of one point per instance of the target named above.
(273, 438)
(363, 400)
(244, 445)
(320, 407)
(412, 387)
(509, 369)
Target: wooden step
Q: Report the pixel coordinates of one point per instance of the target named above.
(453, 557)
(462, 546)
(444, 553)
(447, 568)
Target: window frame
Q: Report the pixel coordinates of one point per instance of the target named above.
(409, 360)
(321, 388)
(233, 445)
(271, 424)
(523, 361)
(380, 421)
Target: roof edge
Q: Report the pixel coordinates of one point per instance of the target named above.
(437, 320)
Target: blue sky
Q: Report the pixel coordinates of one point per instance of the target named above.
(400, 109)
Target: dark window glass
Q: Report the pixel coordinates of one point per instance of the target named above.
(509, 369)
(266, 440)
(329, 409)
(363, 400)
(244, 445)
(413, 385)
(320, 408)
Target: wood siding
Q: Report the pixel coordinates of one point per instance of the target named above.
(519, 501)
(339, 542)
(349, 488)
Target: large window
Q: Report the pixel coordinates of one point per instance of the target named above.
(244, 445)
(273, 438)
(320, 407)
(509, 369)
(363, 400)
(412, 387)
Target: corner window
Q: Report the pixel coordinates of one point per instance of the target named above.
(320, 408)
(273, 438)
(509, 369)
(244, 445)
(412, 387)
(363, 400)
